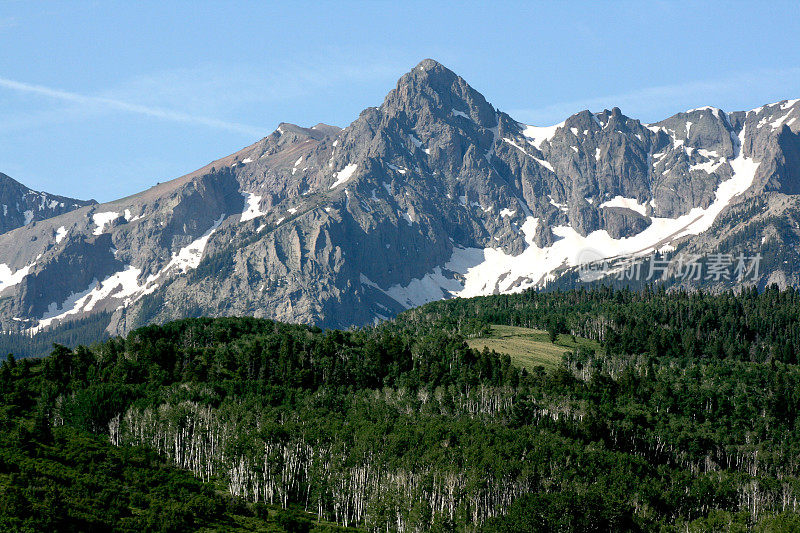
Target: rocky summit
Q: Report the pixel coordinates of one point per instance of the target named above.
(432, 194)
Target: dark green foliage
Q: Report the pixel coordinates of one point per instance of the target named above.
(750, 326)
(592, 511)
(687, 418)
(87, 330)
(68, 477)
(293, 522)
(77, 482)
(149, 307)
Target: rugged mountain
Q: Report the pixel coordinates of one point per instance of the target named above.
(20, 205)
(434, 193)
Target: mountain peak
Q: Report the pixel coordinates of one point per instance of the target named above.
(429, 64)
(432, 193)
(432, 86)
(430, 72)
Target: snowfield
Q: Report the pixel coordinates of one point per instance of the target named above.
(489, 270)
(124, 285)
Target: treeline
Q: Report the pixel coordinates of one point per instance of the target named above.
(686, 419)
(745, 326)
(86, 331)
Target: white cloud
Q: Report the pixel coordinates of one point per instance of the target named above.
(120, 105)
(225, 89)
(193, 95)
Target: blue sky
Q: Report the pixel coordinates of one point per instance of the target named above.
(103, 99)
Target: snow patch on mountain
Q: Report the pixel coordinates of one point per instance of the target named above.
(253, 209)
(441, 283)
(120, 285)
(344, 175)
(628, 203)
(562, 207)
(416, 142)
(397, 169)
(714, 110)
(61, 232)
(101, 220)
(129, 217)
(188, 257)
(124, 285)
(9, 278)
(491, 270)
(537, 135)
(68, 307)
(542, 162)
(708, 166)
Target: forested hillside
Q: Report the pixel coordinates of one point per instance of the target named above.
(86, 331)
(684, 417)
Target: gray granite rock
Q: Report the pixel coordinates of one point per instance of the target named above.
(20, 205)
(337, 227)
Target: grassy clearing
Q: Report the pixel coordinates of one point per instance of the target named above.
(528, 347)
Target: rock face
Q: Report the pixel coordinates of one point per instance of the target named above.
(20, 205)
(433, 194)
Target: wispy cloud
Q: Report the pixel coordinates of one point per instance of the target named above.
(654, 103)
(129, 107)
(258, 93)
(230, 89)
(8, 23)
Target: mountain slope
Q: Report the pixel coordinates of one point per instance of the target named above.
(432, 194)
(19, 205)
